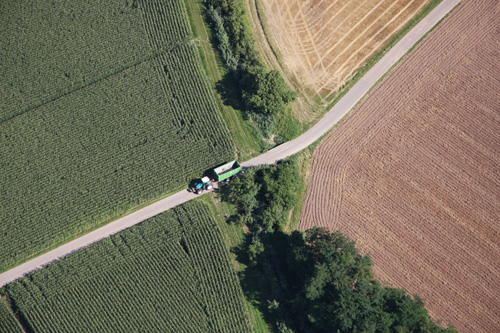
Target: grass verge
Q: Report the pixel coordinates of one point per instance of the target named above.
(235, 235)
(304, 164)
(247, 145)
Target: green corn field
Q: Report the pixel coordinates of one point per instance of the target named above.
(105, 108)
(8, 322)
(50, 49)
(171, 273)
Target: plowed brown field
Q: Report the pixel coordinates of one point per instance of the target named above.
(323, 42)
(413, 174)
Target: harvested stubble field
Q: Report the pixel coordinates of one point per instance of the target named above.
(323, 43)
(412, 175)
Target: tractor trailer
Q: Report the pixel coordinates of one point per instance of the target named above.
(220, 173)
(227, 170)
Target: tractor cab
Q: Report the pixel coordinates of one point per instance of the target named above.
(204, 184)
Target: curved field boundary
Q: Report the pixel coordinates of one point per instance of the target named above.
(273, 155)
(412, 175)
(323, 43)
(357, 91)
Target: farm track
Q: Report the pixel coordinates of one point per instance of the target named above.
(413, 172)
(278, 153)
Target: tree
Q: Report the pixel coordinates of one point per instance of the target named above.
(265, 92)
(243, 192)
(255, 249)
(341, 293)
(224, 44)
(280, 185)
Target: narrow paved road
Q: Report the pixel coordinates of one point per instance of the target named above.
(273, 155)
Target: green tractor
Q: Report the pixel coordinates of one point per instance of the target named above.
(204, 184)
(221, 174)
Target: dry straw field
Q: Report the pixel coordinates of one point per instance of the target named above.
(323, 42)
(413, 174)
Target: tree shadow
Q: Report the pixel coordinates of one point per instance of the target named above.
(222, 192)
(233, 219)
(254, 284)
(229, 91)
(277, 276)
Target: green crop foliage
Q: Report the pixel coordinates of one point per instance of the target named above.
(8, 322)
(50, 49)
(171, 273)
(124, 139)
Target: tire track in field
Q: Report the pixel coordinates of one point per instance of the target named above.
(369, 35)
(358, 24)
(346, 11)
(106, 76)
(321, 43)
(314, 36)
(310, 38)
(346, 69)
(339, 40)
(299, 41)
(314, 18)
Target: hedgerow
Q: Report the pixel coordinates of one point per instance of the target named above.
(264, 92)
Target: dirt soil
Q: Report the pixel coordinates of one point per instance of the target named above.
(413, 174)
(323, 42)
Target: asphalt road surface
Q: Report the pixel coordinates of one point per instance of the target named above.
(287, 149)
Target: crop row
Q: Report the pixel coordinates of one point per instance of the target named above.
(8, 322)
(145, 278)
(94, 153)
(218, 282)
(173, 66)
(165, 22)
(50, 51)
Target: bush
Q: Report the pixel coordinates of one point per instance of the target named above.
(265, 92)
(224, 45)
(264, 196)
